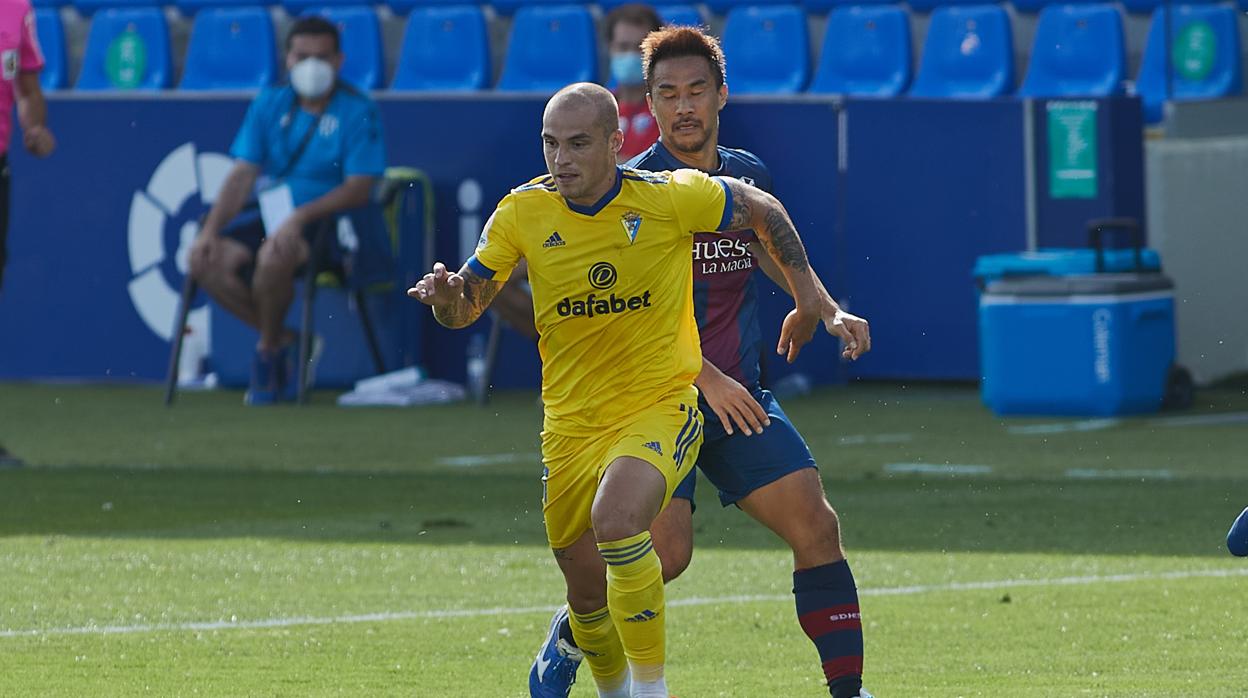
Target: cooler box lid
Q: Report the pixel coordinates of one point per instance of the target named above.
(1060, 262)
(1081, 285)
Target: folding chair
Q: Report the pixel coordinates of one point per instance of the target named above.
(317, 265)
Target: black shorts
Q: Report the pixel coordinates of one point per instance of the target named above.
(248, 229)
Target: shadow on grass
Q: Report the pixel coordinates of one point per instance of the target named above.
(497, 507)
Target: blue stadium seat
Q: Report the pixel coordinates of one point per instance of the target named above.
(298, 7)
(230, 49)
(509, 7)
(405, 6)
(550, 47)
(90, 7)
(1035, 6)
(768, 49)
(364, 62)
(51, 33)
(968, 53)
(127, 50)
(445, 48)
(824, 6)
(1078, 52)
(866, 52)
(726, 6)
(608, 5)
(686, 15)
(1204, 46)
(1032, 6)
(929, 5)
(1146, 7)
(192, 7)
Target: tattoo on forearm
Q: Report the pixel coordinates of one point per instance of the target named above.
(782, 240)
(777, 234)
(478, 294)
(742, 213)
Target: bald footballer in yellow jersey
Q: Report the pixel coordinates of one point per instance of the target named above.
(609, 251)
(612, 290)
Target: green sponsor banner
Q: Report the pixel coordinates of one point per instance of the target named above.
(1072, 150)
(1193, 51)
(126, 62)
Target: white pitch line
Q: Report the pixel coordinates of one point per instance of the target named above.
(1126, 474)
(862, 439)
(489, 459)
(389, 616)
(937, 469)
(1202, 420)
(1084, 425)
(1062, 427)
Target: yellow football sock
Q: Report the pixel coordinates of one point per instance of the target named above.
(596, 637)
(635, 597)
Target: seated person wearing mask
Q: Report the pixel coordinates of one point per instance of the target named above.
(625, 27)
(306, 151)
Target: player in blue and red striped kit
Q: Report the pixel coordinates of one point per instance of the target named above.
(751, 453)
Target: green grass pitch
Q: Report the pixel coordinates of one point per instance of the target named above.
(216, 550)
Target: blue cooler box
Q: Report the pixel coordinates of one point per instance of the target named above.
(1082, 345)
(1064, 262)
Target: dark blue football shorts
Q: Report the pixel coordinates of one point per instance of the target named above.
(738, 464)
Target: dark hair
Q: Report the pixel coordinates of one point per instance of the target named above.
(632, 13)
(313, 25)
(679, 42)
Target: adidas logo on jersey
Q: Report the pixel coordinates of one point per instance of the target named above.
(554, 240)
(654, 446)
(642, 617)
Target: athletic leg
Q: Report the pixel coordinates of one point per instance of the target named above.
(629, 498)
(216, 264)
(273, 288)
(794, 507)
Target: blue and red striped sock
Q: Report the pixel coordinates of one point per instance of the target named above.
(827, 608)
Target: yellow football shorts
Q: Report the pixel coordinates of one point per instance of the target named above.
(667, 436)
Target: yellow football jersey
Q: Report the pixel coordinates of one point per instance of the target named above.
(612, 289)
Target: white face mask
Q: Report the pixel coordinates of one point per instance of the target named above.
(312, 78)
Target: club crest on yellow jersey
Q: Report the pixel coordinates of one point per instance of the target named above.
(632, 223)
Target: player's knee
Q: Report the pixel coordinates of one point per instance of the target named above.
(819, 539)
(587, 598)
(828, 525)
(675, 559)
(613, 523)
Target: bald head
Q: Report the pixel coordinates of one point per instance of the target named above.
(580, 140)
(596, 100)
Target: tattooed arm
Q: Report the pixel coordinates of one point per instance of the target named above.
(457, 299)
(756, 209)
(852, 330)
(772, 270)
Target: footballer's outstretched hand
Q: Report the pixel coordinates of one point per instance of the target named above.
(439, 287)
(853, 331)
(797, 329)
(730, 401)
